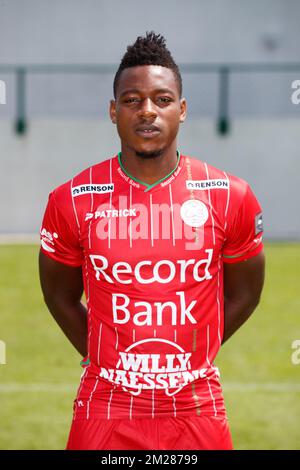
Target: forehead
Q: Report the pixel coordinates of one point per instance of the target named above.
(146, 79)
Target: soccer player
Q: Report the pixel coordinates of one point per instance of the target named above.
(169, 253)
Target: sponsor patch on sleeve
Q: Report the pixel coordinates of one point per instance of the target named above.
(259, 226)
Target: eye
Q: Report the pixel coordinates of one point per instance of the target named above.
(164, 99)
(131, 100)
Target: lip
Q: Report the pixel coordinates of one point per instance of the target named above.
(147, 131)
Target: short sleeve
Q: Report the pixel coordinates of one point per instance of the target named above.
(245, 228)
(59, 237)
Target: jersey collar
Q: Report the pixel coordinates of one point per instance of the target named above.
(145, 186)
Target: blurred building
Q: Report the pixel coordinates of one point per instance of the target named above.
(76, 46)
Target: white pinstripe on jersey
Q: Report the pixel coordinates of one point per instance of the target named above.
(172, 214)
(211, 208)
(209, 364)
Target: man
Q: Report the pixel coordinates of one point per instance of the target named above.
(160, 243)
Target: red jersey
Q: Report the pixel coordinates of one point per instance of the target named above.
(152, 261)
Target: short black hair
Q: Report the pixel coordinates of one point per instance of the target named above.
(148, 50)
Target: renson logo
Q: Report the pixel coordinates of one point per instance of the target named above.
(92, 188)
(207, 184)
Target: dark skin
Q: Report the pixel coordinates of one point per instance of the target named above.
(147, 111)
(243, 284)
(148, 96)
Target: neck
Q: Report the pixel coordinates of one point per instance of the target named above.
(151, 169)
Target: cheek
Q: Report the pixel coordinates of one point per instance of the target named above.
(125, 114)
(172, 118)
(173, 125)
(122, 124)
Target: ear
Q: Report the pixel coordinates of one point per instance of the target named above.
(112, 111)
(183, 110)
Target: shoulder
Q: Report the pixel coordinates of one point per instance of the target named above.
(81, 183)
(214, 177)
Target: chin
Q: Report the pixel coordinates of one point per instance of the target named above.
(149, 151)
(153, 153)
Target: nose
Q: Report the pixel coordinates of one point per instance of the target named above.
(147, 109)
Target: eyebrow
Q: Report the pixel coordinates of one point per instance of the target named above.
(159, 90)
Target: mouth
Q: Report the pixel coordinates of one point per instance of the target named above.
(147, 131)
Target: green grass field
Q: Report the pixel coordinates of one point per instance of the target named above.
(39, 381)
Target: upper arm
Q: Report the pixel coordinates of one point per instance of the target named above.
(245, 279)
(60, 237)
(59, 281)
(243, 256)
(244, 230)
(61, 255)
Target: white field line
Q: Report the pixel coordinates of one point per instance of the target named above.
(19, 238)
(278, 387)
(243, 387)
(16, 387)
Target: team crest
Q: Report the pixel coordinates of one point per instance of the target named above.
(194, 213)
